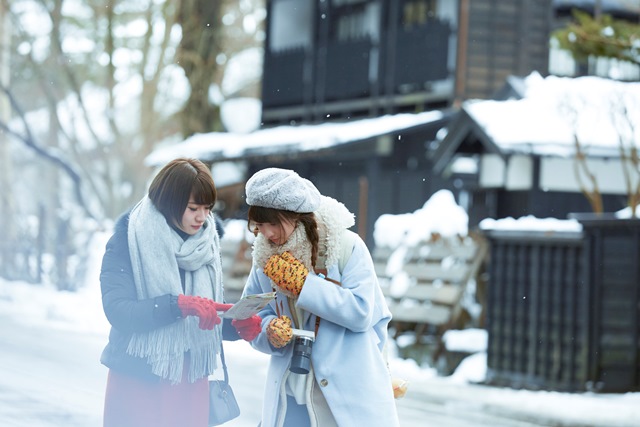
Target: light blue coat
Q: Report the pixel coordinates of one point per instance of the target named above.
(347, 355)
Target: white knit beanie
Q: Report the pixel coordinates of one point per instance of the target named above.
(282, 189)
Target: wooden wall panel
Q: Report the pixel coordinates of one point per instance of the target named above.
(505, 38)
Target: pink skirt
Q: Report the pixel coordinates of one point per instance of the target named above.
(131, 402)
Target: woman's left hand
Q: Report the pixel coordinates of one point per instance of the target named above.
(287, 272)
(248, 329)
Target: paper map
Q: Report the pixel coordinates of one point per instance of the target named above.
(248, 306)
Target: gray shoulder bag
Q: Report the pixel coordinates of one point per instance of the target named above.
(222, 402)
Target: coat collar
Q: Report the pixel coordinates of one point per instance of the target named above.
(333, 219)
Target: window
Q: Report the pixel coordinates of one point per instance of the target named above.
(418, 12)
(291, 24)
(355, 19)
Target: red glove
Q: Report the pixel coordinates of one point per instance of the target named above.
(249, 328)
(206, 309)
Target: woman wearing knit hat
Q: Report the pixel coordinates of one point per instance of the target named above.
(161, 284)
(327, 328)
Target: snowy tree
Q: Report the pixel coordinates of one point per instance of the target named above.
(600, 36)
(90, 88)
(621, 112)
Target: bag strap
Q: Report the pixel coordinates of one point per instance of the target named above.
(224, 364)
(348, 242)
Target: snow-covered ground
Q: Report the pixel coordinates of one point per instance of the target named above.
(44, 307)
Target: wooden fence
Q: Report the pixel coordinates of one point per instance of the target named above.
(563, 309)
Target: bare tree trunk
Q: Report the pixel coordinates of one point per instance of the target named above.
(63, 250)
(41, 244)
(7, 254)
(201, 22)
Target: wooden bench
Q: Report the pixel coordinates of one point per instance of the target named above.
(438, 272)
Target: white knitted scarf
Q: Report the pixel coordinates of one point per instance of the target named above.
(157, 254)
(332, 217)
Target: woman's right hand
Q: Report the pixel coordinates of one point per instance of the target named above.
(206, 309)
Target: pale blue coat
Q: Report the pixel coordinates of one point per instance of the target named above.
(347, 354)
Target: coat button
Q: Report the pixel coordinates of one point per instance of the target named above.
(324, 383)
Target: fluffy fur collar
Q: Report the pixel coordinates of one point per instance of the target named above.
(333, 219)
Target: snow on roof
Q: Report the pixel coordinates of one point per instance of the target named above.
(218, 146)
(530, 223)
(598, 111)
(607, 6)
(440, 214)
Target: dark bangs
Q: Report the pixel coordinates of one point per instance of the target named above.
(258, 214)
(203, 190)
(176, 182)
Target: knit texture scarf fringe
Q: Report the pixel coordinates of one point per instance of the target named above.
(157, 254)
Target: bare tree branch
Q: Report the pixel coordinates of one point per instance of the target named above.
(47, 154)
(569, 109)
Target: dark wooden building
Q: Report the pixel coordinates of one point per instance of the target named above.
(341, 59)
(386, 174)
(537, 173)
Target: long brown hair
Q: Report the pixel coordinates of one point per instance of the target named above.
(261, 215)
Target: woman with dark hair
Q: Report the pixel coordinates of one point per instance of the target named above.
(327, 328)
(162, 289)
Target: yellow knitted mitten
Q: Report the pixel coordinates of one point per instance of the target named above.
(279, 331)
(287, 273)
